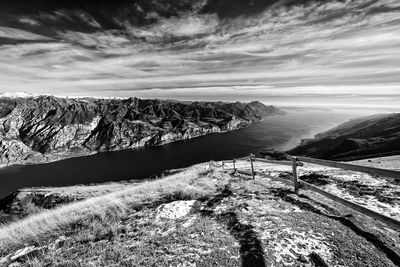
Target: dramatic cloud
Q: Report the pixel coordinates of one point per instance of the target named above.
(324, 53)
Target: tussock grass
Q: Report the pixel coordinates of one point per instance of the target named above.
(189, 184)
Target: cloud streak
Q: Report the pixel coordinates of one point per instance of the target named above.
(313, 52)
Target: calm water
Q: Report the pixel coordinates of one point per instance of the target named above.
(280, 132)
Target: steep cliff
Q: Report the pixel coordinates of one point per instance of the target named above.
(47, 128)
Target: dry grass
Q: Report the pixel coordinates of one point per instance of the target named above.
(258, 217)
(83, 191)
(142, 240)
(189, 184)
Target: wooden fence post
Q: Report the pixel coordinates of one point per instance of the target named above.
(298, 161)
(234, 167)
(252, 166)
(295, 178)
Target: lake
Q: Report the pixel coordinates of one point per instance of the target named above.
(281, 132)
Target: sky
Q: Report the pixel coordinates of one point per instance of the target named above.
(288, 53)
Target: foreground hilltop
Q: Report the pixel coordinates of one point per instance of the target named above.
(365, 137)
(205, 215)
(47, 128)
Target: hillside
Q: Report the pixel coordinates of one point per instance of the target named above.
(364, 137)
(47, 128)
(206, 215)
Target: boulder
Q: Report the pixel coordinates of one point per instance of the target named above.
(177, 209)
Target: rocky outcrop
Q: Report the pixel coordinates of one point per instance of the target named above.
(177, 209)
(365, 137)
(24, 202)
(47, 128)
(27, 201)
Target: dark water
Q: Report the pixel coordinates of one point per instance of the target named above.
(279, 132)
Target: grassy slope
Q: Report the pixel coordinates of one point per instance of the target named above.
(28, 201)
(185, 185)
(240, 222)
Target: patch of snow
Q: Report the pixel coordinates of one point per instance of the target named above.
(28, 95)
(16, 95)
(294, 209)
(295, 243)
(370, 202)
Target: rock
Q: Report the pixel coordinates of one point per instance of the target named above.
(29, 201)
(177, 209)
(47, 128)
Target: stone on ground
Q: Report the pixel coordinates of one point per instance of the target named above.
(177, 209)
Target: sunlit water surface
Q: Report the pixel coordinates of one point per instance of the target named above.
(281, 132)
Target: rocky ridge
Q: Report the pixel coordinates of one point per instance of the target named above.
(360, 138)
(47, 128)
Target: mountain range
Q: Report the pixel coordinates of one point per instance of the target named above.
(365, 137)
(47, 128)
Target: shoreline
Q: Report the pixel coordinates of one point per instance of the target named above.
(46, 159)
(120, 164)
(44, 129)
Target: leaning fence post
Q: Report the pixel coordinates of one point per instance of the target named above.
(295, 179)
(234, 167)
(252, 166)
